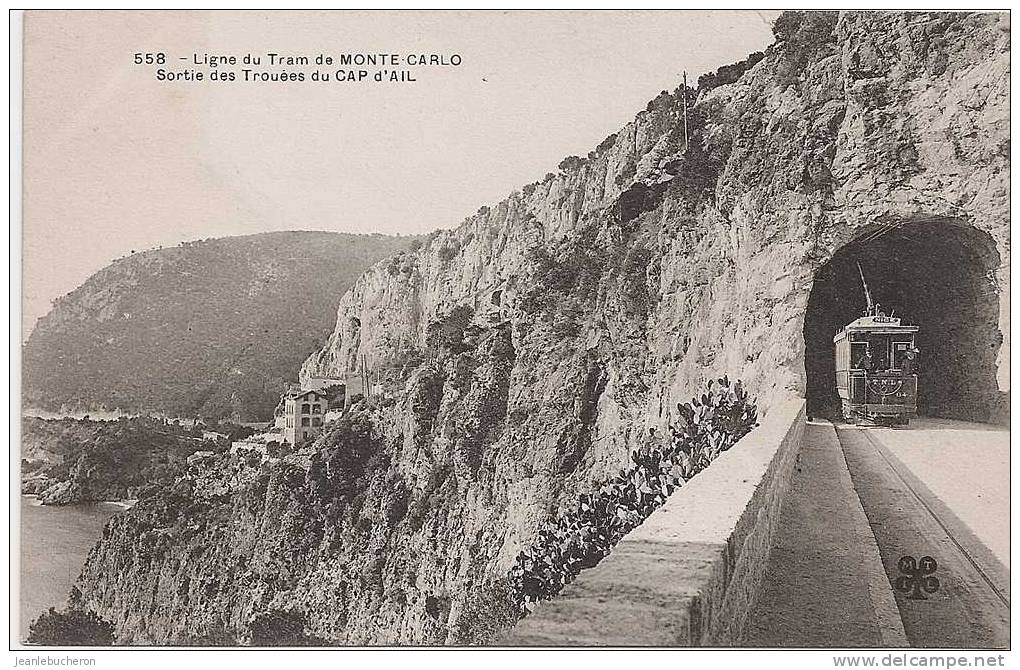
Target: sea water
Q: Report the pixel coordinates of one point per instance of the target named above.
(54, 544)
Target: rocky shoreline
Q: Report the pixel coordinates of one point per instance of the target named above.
(122, 505)
(69, 461)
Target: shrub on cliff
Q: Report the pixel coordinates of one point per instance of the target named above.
(282, 628)
(570, 163)
(448, 332)
(571, 271)
(426, 397)
(800, 36)
(214, 636)
(727, 74)
(449, 251)
(344, 452)
(73, 628)
(487, 612)
(580, 538)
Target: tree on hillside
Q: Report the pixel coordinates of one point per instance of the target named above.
(282, 628)
(73, 628)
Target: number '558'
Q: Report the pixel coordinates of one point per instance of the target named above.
(150, 59)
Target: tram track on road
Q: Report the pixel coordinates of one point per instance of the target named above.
(970, 609)
(950, 532)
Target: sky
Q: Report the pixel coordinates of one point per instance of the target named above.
(115, 161)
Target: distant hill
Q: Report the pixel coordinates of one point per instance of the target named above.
(214, 328)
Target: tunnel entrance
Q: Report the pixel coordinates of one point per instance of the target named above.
(938, 275)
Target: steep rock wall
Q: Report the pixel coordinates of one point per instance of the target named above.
(521, 356)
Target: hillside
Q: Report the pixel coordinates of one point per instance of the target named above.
(526, 355)
(213, 328)
(68, 461)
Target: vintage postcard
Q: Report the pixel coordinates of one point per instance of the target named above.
(514, 329)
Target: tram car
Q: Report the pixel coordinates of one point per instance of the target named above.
(876, 371)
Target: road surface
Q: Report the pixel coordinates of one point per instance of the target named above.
(964, 465)
(861, 500)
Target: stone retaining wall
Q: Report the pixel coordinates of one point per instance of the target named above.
(690, 574)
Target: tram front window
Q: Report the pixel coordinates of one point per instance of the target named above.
(859, 356)
(899, 354)
(878, 351)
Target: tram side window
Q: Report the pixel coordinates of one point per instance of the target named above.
(899, 353)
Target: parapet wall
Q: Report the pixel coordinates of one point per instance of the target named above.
(690, 574)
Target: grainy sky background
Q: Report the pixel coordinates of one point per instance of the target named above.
(116, 161)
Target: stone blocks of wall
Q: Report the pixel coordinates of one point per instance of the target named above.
(690, 574)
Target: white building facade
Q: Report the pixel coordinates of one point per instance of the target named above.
(303, 415)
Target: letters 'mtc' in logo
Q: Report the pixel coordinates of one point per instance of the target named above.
(918, 577)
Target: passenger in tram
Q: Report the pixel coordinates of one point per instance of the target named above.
(909, 364)
(881, 358)
(865, 362)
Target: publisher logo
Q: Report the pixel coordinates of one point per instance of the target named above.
(918, 577)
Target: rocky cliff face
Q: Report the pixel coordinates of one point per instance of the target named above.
(522, 355)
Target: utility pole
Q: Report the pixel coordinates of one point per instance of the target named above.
(364, 376)
(685, 110)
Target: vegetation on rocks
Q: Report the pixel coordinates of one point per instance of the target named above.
(580, 538)
(571, 277)
(803, 34)
(71, 628)
(727, 74)
(66, 461)
(282, 628)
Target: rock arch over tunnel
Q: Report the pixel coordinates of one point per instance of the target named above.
(938, 275)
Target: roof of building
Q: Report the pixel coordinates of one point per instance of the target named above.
(321, 382)
(302, 394)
